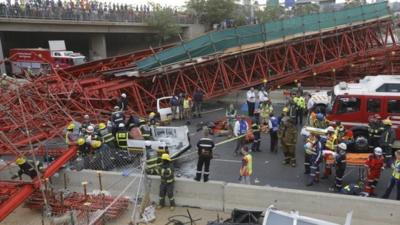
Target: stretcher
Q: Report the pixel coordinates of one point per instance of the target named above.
(354, 161)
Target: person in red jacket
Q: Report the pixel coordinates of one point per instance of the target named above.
(374, 165)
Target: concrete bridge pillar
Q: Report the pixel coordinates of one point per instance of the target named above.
(2, 65)
(97, 47)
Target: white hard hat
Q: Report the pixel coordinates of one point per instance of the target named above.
(86, 116)
(121, 125)
(90, 129)
(308, 145)
(123, 95)
(342, 146)
(378, 151)
(109, 124)
(4, 74)
(331, 129)
(116, 107)
(147, 143)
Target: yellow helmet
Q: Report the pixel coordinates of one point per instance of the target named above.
(20, 161)
(95, 144)
(387, 122)
(71, 126)
(152, 114)
(81, 141)
(285, 109)
(165, 156)
(102, 126)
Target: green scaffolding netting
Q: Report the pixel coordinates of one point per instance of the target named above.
(220, 40)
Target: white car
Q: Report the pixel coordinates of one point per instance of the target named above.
(175, 138)
(164, 108)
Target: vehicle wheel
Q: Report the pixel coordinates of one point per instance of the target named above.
(360, 142)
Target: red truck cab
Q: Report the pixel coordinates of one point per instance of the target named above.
(354, 103)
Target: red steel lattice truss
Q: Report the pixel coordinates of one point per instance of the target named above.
(39, 110)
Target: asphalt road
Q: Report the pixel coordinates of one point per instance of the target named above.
(267, 167)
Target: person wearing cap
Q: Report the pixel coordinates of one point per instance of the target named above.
(166, 173)
(122, 137)
(375, 129)
(27, 167)
(315, 159)
(330, 144)
(246, 169)
(374, 166)
(287, 133)
(152, 160)
(105, 136)
(117, 118)
(273, 125)
(386, 141)
(395, 179)
(70, 136)
(205, 148)
(123, 102)
(321, 122)
(340, 166)
(251, 101)
(239, 131)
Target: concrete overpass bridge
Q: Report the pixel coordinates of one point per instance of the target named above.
(96, 39)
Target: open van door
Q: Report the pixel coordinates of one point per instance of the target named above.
(164, 108)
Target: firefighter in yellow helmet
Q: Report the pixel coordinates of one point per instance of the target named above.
(27, 167)
(70, 136)
(153, 119)
(167, 182)
(386, 141)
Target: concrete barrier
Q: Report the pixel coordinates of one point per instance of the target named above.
(187, 192)
(371, 210)
(221, 196)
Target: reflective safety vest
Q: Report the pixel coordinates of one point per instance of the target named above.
(152, 165)
(247, 162)
(330, 142)
(122, 139)
(300, 102)
(396, 170)
(167, 175)
(255, 127)
(106, 136)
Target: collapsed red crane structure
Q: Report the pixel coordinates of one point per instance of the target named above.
(35, 112)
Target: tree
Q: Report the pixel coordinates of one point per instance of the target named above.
(353, 3)
(197, 8)
(270, 14)
(163, 20)
(219, 10)
(305, 9)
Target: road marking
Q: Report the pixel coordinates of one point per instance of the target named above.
(212, 110)
(227, 160)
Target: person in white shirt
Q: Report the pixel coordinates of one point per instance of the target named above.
(241, 128)
(251, 101)
(263, 95)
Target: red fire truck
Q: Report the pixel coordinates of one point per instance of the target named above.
(354, 103)
(40, 61)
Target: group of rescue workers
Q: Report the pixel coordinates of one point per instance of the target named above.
(107, 143)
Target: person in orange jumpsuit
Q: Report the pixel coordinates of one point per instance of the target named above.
(374, 165)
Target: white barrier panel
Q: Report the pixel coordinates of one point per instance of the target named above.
(316, 203)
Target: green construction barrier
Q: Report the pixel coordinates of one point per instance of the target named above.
(218, 41)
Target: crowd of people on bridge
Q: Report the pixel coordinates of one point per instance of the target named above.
(81, 10)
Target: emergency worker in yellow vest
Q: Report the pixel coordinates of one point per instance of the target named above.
(122, 137)
(265, 109)
(105, 136)
(331, 142)
(395, 179)
(300, 107)
(167, 182)
(145, 130)
(70, 136)
(153, 162)
(246, 170)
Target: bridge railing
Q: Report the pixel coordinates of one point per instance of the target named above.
(123, 14)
